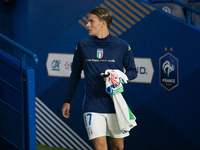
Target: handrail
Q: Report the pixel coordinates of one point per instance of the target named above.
(187, 6)
(23, 49)
(189, 9)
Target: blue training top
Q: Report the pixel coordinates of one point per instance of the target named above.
(94, 56)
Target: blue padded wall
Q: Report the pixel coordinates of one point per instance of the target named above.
(166, 119)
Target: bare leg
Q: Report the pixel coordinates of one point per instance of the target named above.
(100, 143)
(116, 143)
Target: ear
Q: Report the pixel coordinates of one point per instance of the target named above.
(104, 23)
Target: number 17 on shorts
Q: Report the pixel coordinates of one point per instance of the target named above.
(87, 119)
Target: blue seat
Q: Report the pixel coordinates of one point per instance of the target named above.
(170, 7)
(195, 19)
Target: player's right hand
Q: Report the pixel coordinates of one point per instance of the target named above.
(65, 110)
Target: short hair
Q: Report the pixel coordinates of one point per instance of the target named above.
(103, 14)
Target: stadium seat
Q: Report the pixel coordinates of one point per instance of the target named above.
(195, 20)
(170, 7)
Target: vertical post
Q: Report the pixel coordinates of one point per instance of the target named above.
(23, 64)
(30, 111)
(188, 16)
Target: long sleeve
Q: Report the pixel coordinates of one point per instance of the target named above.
(77, 67)
(129, 64)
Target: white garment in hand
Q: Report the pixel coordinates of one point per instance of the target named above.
(114, 87)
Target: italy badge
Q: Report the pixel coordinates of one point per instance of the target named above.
(99, 53)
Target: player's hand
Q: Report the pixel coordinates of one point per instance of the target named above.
(106, 75)
(65, 110)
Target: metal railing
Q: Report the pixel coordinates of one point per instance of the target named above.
(189, 10)
(21, 48)
(24, 51)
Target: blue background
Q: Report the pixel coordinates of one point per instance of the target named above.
(166, 119)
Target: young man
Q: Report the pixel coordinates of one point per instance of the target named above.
(94, 55)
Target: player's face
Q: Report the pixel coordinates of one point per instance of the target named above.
(94, 25)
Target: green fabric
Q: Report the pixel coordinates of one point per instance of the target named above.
(131, 114)
(119, 90)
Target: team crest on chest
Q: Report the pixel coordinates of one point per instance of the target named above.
(99, 53)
